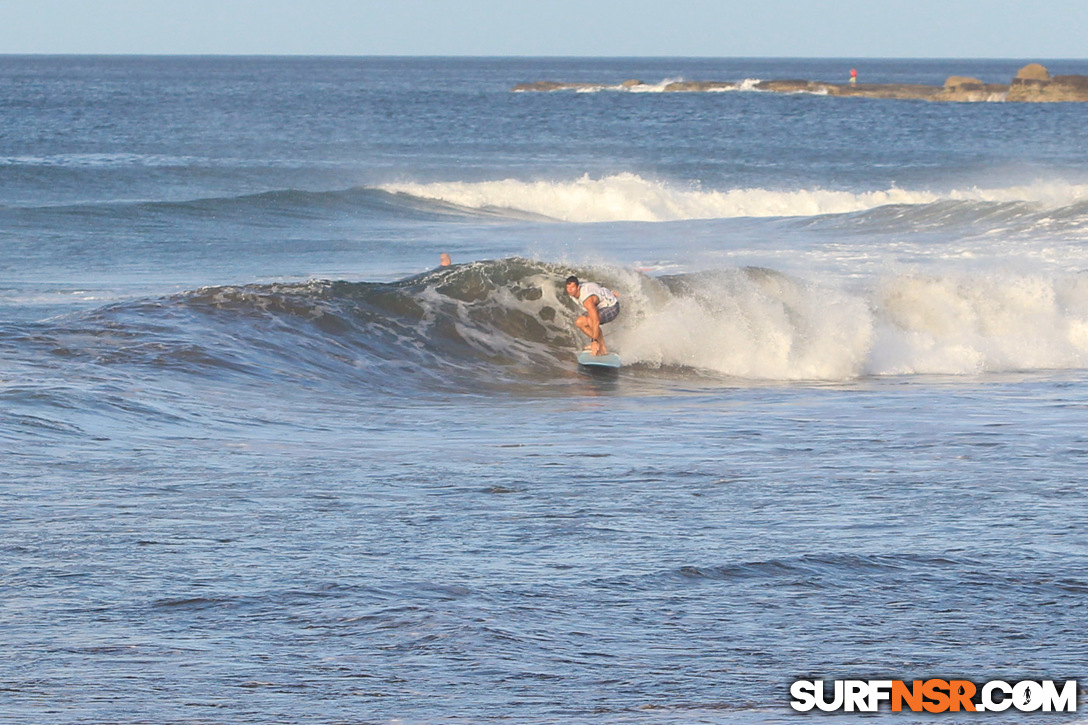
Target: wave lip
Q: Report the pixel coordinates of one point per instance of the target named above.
(630, 197)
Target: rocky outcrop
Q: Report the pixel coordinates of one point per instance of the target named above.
(1033, 72)
(859, 90)
(793, 86)
(546, 86)
(953, 82)
(901, 91)
(970, 90)
(697, 86)
(1033, 83)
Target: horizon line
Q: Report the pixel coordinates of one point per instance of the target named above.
(132, 54)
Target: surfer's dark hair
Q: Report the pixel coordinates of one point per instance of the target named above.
(573, 279)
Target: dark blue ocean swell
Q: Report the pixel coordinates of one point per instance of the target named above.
(458, 321)
(119, 249)
(266, 208)
(957, 218)
(462, 328)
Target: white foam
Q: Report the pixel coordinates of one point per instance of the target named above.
(629, 197)
(747, 85)
(767, 326)
(980, 323)
(652, 87)
(761, 326)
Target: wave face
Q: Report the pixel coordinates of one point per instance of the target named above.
(292, 204)
(457, 328)
(508, 323)
(629, 197)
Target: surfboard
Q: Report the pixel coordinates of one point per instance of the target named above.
(589, 360)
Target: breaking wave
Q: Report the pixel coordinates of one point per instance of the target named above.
(629, 197)
(508, 324)
(624, 197)
(762, 325)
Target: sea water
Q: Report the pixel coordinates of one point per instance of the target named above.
(264, 461)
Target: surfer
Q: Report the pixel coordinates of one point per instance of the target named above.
(602, 306)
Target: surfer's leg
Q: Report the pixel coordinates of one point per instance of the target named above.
(595, 346)
(583, 325)
(607, 314)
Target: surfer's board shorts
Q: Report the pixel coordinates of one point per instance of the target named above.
(607, 314)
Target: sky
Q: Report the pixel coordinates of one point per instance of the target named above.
(1043, 29)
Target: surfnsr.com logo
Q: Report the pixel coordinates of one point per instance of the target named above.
(934, 696)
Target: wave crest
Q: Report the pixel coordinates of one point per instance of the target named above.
(506, 322)
(629, 197)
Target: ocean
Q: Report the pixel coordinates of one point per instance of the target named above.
(264, 460)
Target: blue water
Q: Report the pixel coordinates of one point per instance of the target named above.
(264, 461)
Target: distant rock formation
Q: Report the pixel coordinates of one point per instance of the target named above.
(546, 86)
(704, 86)
(1033, 83)
(961, 81)
(1033, 72)
(859, 90)
(970, 90)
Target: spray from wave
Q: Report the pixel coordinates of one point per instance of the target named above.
(763, 325)
(636, 86)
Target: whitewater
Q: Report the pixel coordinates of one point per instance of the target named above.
(629, 197)
(999, 296)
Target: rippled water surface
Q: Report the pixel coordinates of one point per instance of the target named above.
(684, 558)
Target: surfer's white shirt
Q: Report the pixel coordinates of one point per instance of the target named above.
(605, 298)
